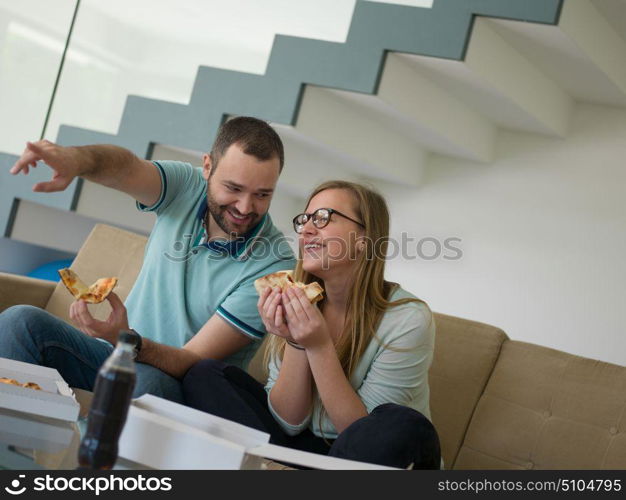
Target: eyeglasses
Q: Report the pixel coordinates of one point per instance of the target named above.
(320, 218)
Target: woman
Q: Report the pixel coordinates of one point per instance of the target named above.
(348, 377)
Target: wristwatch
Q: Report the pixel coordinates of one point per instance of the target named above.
(137, 339)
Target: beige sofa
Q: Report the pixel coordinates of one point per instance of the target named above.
(496, 403)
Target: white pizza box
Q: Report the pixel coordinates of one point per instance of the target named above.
(54, 400)
(211, 424)
(161, 434)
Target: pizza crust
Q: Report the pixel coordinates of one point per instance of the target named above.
(31, 385)
(27, 385)
(284, 280)
(10, 381)
(93, 294)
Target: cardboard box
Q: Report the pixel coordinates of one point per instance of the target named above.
(163, 435)
(187, 438)
(34, 432)
(54, 400)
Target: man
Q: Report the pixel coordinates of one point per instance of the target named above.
(213, 237)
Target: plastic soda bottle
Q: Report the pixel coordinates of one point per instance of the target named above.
(112, 394)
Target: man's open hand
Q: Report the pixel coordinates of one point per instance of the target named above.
(108, 330)
(65, 163)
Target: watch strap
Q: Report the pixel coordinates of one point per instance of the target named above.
(138, 342)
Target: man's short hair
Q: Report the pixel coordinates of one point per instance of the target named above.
(254, 136)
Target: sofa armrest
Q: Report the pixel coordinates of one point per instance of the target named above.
(16, 289)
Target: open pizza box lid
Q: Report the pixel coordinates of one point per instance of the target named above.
(54, 400)
(192, 439)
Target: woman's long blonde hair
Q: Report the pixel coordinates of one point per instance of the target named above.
(369, 292)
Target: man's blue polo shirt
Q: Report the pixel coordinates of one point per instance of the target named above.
(184, 280)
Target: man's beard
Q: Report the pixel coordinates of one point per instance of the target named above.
(218, 212)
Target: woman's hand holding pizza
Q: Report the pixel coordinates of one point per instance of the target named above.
(108, 330)
(272, 312)
(290, 314)
(305, 322)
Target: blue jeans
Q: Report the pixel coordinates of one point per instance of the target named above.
(35, 336)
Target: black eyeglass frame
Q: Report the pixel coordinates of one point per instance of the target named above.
(311, 216)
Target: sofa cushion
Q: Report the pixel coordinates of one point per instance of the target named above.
(465, 354)
(108, 251)
(546, 409)
(16, 289)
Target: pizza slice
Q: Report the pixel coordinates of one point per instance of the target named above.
(93, 294)
(284, 280)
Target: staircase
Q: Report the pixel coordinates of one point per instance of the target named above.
(408, 87)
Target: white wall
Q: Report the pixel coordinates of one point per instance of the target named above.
(32, 37)
(543, 236)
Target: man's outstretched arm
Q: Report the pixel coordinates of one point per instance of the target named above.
(105, 164)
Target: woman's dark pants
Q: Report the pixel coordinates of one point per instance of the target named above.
(391, 435)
